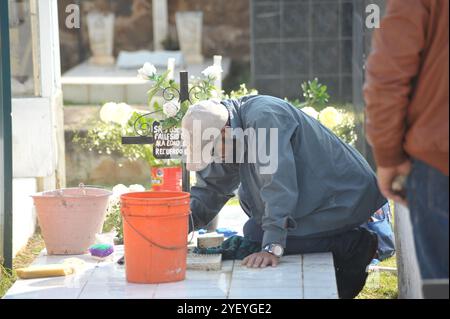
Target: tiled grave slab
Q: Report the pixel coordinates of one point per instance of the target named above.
(69, 287)
(296, 277)
(319, 279)
(283, 281)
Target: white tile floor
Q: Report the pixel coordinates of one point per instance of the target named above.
(297, 277)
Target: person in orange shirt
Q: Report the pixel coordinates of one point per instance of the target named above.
(407, 120)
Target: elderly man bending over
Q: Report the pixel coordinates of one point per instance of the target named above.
(304, 190)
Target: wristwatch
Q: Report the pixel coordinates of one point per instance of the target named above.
(274, 249)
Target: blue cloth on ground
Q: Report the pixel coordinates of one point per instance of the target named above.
(381, 224)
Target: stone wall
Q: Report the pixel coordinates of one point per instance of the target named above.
(226, 27)
(296, 41)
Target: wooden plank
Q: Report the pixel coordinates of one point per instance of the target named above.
(210, 240)
(204, 262)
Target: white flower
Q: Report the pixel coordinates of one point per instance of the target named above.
(116, 113)
(212, 71)
(102, 135)
(123, 114)
(330, 117)
(119, 190)
(106, 112)
(147, 71)
(136, 188)
(311, 112)
(171, 108)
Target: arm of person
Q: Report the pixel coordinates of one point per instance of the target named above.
(280, 189)
(214, 187)
(392, 66)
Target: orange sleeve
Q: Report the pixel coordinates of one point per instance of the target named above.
(391, 68)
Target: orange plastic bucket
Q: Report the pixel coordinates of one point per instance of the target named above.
(155, 227)
(166, 179)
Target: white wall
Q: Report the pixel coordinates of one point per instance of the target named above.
(34, 148)
(24, 217)
(38, 134)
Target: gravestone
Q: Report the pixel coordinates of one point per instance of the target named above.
(190, 28)
(101, 37)
(160, 23)
(22, 46)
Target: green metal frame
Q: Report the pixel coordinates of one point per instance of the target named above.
(5, 136)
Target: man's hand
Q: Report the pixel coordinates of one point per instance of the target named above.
(386, 177)
(260, 260)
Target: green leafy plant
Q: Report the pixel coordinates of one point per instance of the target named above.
(339, 120)
(241, 92)
(106, 138)
(113, 221)
(315, 95)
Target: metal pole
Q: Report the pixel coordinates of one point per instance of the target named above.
(5, 137)
(81, 50)
(184, 96)
(184, 86)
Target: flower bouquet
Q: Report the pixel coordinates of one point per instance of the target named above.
(120, 119)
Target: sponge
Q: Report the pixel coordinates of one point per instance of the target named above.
(101, 250)
(44, 271)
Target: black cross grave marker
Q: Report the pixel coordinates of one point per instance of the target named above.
(150, 139)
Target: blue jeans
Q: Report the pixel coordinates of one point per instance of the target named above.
(427, 195)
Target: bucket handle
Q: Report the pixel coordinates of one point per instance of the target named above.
(158, 245)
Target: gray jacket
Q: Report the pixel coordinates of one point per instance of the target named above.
(322, 186)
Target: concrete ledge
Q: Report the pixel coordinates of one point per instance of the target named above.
(409, 280)
(91, 84)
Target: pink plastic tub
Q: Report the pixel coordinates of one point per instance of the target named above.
(70, 218)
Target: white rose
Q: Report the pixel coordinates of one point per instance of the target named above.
(107, 111)
(311, 112)
(122, 114)
(116, 113)
(330, 117)
(171, 108)
(212, 72)
(136, 188)
(147, 71)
